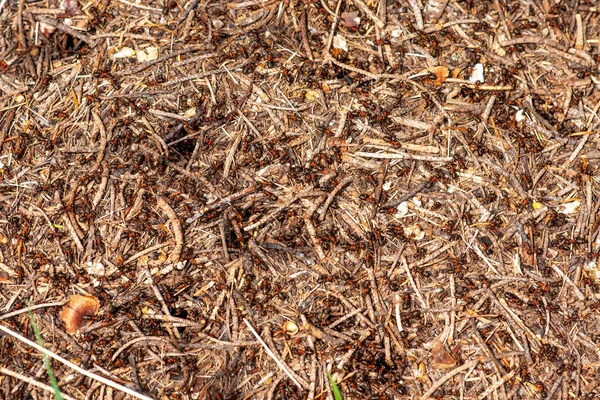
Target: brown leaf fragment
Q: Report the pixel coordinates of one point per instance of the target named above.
(527, 254)
(74, 312)
(440, 357)
(441, 73)
(350, 19)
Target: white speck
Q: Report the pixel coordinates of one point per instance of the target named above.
(402, 209)
(477, 74)
(520, 115)
(569, 208)
(339, 42)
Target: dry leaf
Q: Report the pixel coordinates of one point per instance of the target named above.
(440, 358)
(73, 314)
(441, 73)
(350, 19)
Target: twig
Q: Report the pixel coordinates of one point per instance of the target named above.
(412, 283)
(497, 384)
(103, 141)
(273, 356)
(228, 200)
(187, 11)
(313, 364)
(73, 366)
(30, 308)
(578, 292)
(447, 377)
(272, 214)
(160, 298)
(304, 34)
(177, 229)
(407, 196)
(365, 8)
(144, 340)
(403, 156)
(490, 353)
(70, 226)
(417, 12)
(102, 186)
(67, 29)
(32, 382)
(332, 195)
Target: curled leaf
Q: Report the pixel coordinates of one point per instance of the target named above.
(290, 328)
(73, 314)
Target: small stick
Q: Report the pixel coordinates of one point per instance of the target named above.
(187, 11)
(406, 196)
(272, 214)
(310, 229)
(103, 141)
(413, 284)
(140, 339)
(332, 195)
(434, 254)
(145, 251)
(102, 187)
(30, 308)
(403, 156)
(497, 384)
(322, 335)
(379, 188)
(177, 229)
(223, 230)
(304, 34)
(221, 202)
(365, 8)
(70, 203)
(71, 228)
(434, 10)
(578, 292)
(313, 364)
(346, 317)
(273, 356)
(231, 155)
(490, 353)
(161, 300)
(533, 215)
(418, 15)
(397, 311)
(73, 366)
(448, 376)
(257, 251)
(32, 382)
(67, 29)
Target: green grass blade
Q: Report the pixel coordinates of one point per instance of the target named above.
(337, 395)
(38, 339)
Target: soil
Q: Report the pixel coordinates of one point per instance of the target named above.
(226, 200)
